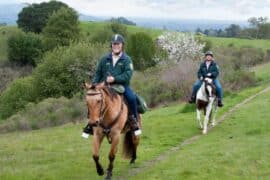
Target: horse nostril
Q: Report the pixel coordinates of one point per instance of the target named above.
(96, 122)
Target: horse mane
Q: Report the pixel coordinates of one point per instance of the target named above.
(110, 92)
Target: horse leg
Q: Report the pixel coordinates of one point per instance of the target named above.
(199, 118)
(207, 115)
(135, 142)
(115, 141)
(96, 146)
(214, 114)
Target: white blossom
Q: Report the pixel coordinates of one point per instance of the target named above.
(180, 46)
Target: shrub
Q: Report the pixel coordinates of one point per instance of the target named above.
(10, 72)
(180, 46)
(47, 113)
(61, 29)
(62, 70)
(142, 50)
(16, 96)
(118, 28)
(24, 48)
(103, 36)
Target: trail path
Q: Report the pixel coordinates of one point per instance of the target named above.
(165, 155)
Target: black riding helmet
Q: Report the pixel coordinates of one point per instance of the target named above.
(210, 53)
(118, 38)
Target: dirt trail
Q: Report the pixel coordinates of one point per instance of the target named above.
(165, 155)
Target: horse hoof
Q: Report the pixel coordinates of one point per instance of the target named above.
(100, 172)
(109, 175)
(213, 124)
(132, 161)
(204, 132)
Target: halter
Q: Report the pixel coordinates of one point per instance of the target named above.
(103, 111)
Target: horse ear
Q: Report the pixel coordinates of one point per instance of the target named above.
(87, 86)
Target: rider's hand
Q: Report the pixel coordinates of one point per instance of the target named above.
(110, 79)
(209, 74)
(201, 78)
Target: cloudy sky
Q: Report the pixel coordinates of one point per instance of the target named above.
(177, 9)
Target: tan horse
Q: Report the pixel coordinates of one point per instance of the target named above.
(108, 114)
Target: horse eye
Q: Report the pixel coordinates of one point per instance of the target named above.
(98, 101)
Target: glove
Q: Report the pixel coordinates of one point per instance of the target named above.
(201, 78)
(208, 75)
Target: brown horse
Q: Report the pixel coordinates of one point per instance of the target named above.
(108, 114)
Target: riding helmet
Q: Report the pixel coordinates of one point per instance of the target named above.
(209, 53)
(117, 38)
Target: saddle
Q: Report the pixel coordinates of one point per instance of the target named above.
(141, 103)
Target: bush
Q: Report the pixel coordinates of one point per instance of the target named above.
(62, 70)
(180, 46)
(47, 113)
(103, 36)
(16, 96)
(62, 28)
(208, 44)
(142, 50)
(10, 72)
(165, 83)
(24, 48)
(118, 28)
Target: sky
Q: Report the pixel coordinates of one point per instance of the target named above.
(169, 9)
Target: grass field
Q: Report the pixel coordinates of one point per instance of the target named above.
(237, 149)
(224, 42)
(231, 150)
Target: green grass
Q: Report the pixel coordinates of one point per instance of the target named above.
(237, 43)
(262, 72)
(60, 152)
(236, 149)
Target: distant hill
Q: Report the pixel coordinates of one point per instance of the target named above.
(184, 24)
(9, 13)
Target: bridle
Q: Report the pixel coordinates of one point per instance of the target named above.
(102, 113)
(206, 83)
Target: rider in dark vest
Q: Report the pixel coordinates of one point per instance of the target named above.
(208, 68)
(117, 68)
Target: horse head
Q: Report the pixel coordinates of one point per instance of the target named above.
(209, 86)
(95, 101)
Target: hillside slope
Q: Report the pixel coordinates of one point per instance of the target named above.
(60, 153)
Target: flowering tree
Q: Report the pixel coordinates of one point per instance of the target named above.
(180, 46)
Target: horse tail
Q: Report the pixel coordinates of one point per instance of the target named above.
(128, 145)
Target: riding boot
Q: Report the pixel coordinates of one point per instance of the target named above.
(192, 99)
(134, 125)
(87, 130)
(220, 104)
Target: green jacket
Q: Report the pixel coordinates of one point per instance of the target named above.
(122, 71)
(213, 69)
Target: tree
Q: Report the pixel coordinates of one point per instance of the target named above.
(62, 28)
(122, 20)
(24, 48)
(34, 17)
(256, 23)
(180, 46)
(142, 50)
(233, 30)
